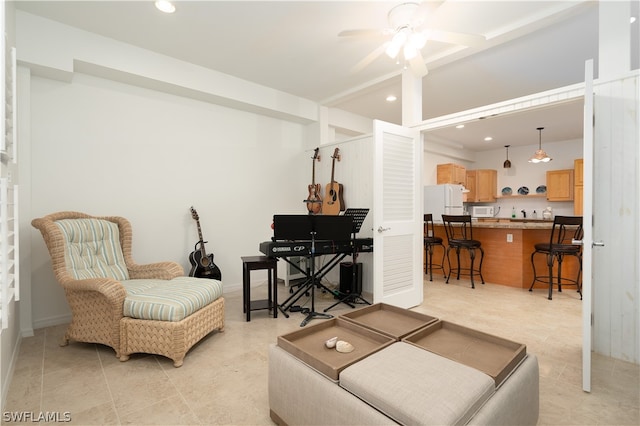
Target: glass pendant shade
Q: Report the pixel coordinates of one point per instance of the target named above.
(540, 156)
(507, 163)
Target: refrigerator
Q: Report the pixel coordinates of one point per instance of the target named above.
(443, 199)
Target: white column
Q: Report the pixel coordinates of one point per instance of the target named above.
(614, 44)
(411, 98)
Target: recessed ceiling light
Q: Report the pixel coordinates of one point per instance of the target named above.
(165, 6)
(488, 139)
(391, 98)
(460, 126)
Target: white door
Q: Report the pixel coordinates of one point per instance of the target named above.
(397, 221)
(587, 222)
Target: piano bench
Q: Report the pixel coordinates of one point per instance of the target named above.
(254, 263)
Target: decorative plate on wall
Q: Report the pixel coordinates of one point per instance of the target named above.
(542, 189)
(506, 190)
(523, 190)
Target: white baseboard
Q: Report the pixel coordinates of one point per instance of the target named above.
(51, 321)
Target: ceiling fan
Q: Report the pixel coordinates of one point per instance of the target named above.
(407, 34)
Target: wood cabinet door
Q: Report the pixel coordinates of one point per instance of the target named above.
(486, 185)
(471, 185)
(451, 173)
(578, 171)
(560, 185)
(459, 174)
(578, 199)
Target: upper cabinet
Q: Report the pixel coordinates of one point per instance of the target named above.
(578, 191)
(482, 185)
(451, 173)
(560, 185)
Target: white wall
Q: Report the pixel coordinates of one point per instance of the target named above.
(106, 148)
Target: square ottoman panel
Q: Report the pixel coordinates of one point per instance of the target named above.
(414, 386)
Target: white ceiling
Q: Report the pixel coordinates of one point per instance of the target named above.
(293, 46)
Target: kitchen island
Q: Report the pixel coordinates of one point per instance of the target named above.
(508, 244)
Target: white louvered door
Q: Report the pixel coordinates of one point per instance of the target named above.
(397, 230)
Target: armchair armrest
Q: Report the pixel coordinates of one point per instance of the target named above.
(112, 291)
(158, 270)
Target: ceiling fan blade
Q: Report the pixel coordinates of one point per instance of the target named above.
(372, 56)
(470, 40)
(418, 67)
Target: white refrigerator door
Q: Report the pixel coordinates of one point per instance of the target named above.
(453, 210)
(453, 196)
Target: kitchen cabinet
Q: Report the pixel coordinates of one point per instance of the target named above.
(482, 185)
(578, 190)
(451, 173)
(560, 185)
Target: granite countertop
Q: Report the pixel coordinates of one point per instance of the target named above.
(514, 223)
(507, 223)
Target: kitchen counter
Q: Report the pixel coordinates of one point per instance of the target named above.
(508, 245)
(513, 223)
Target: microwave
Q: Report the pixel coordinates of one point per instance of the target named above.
(482, 211)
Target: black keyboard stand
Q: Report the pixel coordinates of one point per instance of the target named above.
(313, 280)
(312, 313)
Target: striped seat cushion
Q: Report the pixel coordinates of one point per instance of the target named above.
(171, 300)
(92, 249)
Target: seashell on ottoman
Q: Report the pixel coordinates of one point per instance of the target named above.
(344, 347)
(331, 343)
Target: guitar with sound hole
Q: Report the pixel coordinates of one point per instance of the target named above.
(333, 202)
(202, 265)
(314, 201)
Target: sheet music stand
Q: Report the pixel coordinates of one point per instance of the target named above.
(311, 228)
(359, 216)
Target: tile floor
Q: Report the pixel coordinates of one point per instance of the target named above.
(224, 377)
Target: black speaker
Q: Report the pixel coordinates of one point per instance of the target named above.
(348, 283)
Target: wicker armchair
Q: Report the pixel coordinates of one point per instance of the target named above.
(97, 302)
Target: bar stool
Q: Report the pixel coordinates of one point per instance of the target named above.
(430, 241)
(460, 236)
(254, 263)
(566, 230)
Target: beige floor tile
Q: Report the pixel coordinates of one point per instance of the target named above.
(224, 377)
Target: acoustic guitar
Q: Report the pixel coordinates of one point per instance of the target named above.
(202, 265)
(333, 202)
(314, 201)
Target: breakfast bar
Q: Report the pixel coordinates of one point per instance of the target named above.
(507, 245)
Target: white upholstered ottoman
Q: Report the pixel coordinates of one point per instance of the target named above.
(400, 384)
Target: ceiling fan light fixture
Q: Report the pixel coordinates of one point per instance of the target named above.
(409, 52)
(418, 40)
(165, 6)
(540, 156)
(396, 44)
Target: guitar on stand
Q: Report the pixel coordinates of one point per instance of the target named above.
(202, 265)
(333, 202)
(314, 201)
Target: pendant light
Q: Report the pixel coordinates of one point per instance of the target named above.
(507, 163)
(540, 156)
